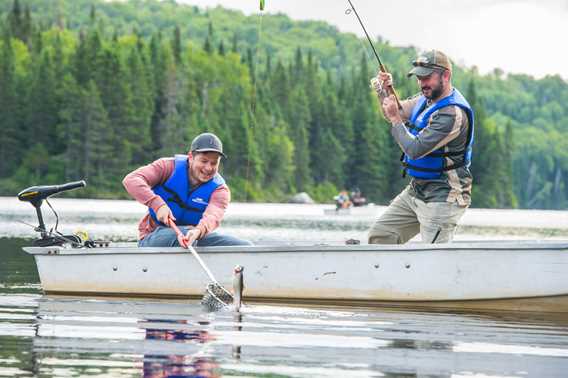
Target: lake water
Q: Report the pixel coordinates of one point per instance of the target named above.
(44, 336)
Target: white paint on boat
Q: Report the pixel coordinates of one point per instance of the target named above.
(416, 273)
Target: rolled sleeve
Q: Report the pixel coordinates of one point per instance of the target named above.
(215, 211)
(139, 183)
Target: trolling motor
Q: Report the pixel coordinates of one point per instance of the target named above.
(36, 195)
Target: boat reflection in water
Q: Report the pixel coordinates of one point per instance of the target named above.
(77, 337)
(178, 365)
(157, 339)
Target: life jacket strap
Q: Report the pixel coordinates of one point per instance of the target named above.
(422, 169)
(445, 154)
(178, 201)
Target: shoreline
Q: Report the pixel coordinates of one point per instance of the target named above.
(118, 218)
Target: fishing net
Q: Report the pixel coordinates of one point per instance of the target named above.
(216, 297)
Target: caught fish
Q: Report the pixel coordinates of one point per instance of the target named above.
(238, 287)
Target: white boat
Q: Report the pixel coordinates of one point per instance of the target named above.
(367, 210)
(511, 275)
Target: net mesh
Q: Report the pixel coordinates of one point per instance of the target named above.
(216, 297)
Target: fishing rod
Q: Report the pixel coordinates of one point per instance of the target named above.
(381, 65)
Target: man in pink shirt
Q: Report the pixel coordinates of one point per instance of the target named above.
(187, 190)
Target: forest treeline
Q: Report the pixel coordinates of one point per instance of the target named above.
(93, 89)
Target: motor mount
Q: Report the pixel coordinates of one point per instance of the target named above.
(35, 195)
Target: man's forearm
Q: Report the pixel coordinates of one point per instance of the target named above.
(442, 129)
(407, 142)
(139, 183)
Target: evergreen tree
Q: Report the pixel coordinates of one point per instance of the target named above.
(367, 169)
(85, 127)
(280, 89)
(43, 106)
(317, 142)
(111, 82)
(507, 195)
(87, 57)
(9, 136)
(235, 47)
(268, 67)
(297, 71)
(487, 151)
(299, 120)
(332, 153)
(221, 49)
(176, 45)
(93, 15)
(97, 148)
(27, 26)
(279, 159)
(251, 65)
(59, 62)
(139, 81)
(16, 22)
(166, 122)
(207, 46)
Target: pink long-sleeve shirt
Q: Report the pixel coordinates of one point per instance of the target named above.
(139, 184)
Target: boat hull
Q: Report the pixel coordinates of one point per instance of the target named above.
(513, 276)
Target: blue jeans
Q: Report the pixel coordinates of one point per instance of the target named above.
(166, 237)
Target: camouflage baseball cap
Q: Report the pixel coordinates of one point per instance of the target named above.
(430, 61)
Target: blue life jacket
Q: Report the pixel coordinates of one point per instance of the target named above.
(186, 205)
(432, 165)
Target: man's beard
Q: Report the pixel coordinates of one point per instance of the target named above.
(436, 92)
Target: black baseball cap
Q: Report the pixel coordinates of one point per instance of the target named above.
(207, 142)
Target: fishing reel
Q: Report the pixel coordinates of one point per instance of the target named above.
(36, 195)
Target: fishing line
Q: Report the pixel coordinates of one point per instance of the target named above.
(363, 47)
(56, 216)
(366, 34)
(382, 67)
(57, 235)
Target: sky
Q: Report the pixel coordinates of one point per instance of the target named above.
(517, 36)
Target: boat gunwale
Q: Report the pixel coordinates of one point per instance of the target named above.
(552, 246)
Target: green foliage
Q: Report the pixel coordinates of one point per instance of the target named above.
(92, 89)
(324, 192)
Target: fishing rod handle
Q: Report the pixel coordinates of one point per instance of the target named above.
(390, 89)
(393, 92)
(383, 90)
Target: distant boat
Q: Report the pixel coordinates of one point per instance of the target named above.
(353, 210)
(345, 211)
(503, 275)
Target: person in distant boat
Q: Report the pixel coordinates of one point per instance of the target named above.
(185, 189)
(342, 201)
(357, 198)
(434, 130)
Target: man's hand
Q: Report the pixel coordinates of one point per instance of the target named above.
(390, 110)
(385, 79)
(164, 214)
(381, 83)
(192, 235)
